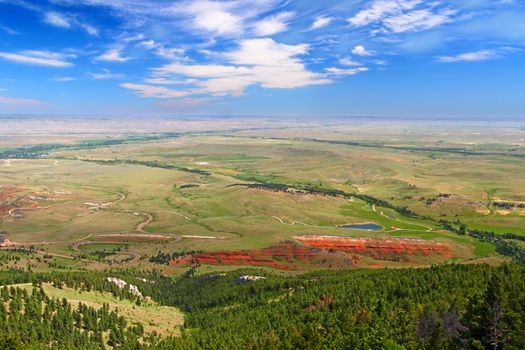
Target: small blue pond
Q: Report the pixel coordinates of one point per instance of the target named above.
(365, 226)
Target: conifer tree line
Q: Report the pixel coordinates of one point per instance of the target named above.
(442, 307)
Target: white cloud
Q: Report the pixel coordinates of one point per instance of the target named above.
(470, 56)
(380, 9)
(132, 38)
(273, 24)
(159, 49)
(105, 74)
(228, 18)
(261, 62)
(360, 50)
(164, 81)
(62, 79)
(265, 52)
(113, 55)
(418, 20)
(61, 20)
(225, 86)
(148, 44)
(155, 91)
(89, 29)
(213, 17)
(170, 53)
(218, 22)
(56, 19)
(400, 16)
(200, 71)
(8, 30)
(41, 58)
(348, 61)
(350, 71)
(18, 101)
(320, 22)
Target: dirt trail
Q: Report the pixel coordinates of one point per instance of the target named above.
(50, 242)
(13, 210)
(122, 198)
(137, 235)
(428, 228)
(202, 237)
(140, 226)
(296, 223)
(184, 216)
(278, 218)
(76, 247)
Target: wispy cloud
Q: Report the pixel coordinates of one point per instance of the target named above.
(18, 101)
(8, 30)
(320, 22)
(212, 17)
(379, 9)
(153, 91)
(482, 55)
(57, 20)
(42, 58)
(89, 29)
(418, 20)
(161, 50)
(62, 79)
(400, 16)
(273, 24)
(341, 71)
(231, 18)
(105, 74)
(66, 21)
(164, 81)
(348, 61)
(113, 55)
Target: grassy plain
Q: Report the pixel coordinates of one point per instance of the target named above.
(70, 203)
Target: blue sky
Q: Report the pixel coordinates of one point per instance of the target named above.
(455, 58)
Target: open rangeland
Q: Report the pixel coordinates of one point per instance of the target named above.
(253, 191)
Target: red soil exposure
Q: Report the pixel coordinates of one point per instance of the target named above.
(377, 248)
(7, 193)
(282, 256)
(5, 243)
(286, 255)
(375, 265)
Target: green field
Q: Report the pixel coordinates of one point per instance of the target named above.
(213, 192)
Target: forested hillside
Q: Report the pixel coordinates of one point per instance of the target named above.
(443, 307)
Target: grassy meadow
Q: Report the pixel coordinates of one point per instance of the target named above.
(123, 202)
